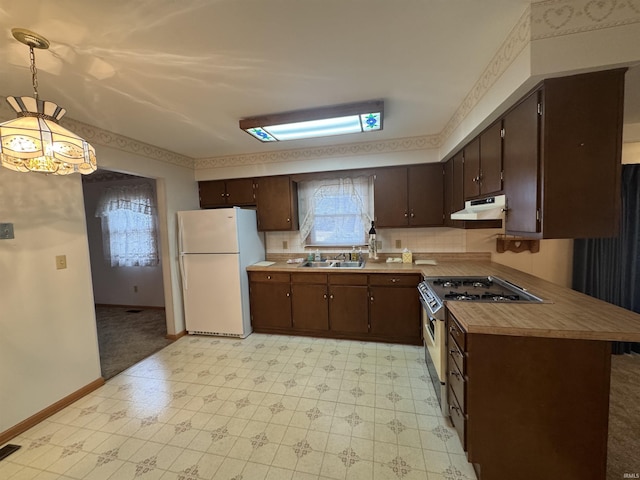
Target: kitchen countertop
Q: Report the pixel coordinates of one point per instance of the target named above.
(564, 314)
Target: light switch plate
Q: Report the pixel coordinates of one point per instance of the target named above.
(61, 262)
(6, 231)
(398, 243)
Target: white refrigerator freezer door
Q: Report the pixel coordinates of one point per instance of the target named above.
(212, 294)
(208, 231)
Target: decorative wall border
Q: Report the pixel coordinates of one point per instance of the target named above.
(349, 149)
(553, 18)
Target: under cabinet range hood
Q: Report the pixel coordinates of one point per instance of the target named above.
(488, 208)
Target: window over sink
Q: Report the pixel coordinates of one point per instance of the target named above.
(335, 212)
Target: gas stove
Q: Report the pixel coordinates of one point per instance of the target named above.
(435, 290)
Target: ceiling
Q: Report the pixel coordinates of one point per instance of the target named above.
(181, 74)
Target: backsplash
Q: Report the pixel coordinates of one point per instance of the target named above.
(415, 239)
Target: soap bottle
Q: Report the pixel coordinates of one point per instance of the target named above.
(373, 248)
(317, 257)
(354, 255)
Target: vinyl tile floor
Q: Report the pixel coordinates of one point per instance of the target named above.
(266, 407)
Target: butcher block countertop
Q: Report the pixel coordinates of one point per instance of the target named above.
(565, 313)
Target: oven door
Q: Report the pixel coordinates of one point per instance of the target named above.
(435, 353)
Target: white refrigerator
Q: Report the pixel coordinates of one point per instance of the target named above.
(215, 248)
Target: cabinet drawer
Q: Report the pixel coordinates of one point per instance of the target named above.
(275, 277)
(348, 279)
(456, 332)
(458, 418)
(309, 278)
(456, 356)
(395, 280)
(458, 385)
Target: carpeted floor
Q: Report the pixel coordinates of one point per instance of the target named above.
(128, 335)
(624, 418)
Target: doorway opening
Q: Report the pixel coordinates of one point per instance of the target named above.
(124, 248)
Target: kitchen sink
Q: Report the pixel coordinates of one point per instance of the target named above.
(332, 264)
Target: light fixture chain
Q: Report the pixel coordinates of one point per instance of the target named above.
(34, 72)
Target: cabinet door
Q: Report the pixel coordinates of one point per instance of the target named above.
(472, 169)
(426, 195)
(212, 193)
(390, 197)
(448, 192)
(394, 313)
(349, 309)
(270, 305)
(310, 307)
(277, 205)
(520, 157)
(491, 159)
(240, 192)
(458, 182)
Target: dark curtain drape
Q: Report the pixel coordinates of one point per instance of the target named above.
(609, 268)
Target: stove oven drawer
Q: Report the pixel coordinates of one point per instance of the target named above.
(457, 383)
(456, 331)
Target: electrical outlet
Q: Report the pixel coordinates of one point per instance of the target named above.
(378, 245)
(6, 231)
(398, 243)
(61, 262)
(285, 245)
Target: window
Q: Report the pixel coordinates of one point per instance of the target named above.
(129, 221)
(335, 212)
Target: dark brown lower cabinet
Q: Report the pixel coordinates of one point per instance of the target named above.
(270, 300)
(338, 305)
(309, 305)
(531, 408)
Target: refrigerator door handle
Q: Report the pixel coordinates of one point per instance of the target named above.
(180, 230)
(183, 272)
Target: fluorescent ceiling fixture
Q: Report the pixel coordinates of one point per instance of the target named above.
(318, 122)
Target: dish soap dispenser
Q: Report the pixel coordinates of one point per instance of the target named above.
(317, 256)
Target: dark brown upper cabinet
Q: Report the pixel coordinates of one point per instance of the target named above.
(277, 203)
(226, 193)
(562, 158)
(410, 196)
(483, 163)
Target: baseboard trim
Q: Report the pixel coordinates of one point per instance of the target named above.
(144, 307)
(176, 336)
(48, 411)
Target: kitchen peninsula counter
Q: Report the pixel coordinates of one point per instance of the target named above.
(565, 313)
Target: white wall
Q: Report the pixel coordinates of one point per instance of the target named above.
(115, 286)
(48, 345)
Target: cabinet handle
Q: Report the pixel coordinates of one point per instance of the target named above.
(371, 298)
(227, 194)
(454, 330)
(394, 280)
(331, 296)
(453, 408)
(324, 296)
(288, 294)
(288, 220)
(455, 374)
(268, 277)
(406, 214)
(412, 215)
(222, 194)
(455, 352)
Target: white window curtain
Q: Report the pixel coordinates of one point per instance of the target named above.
(129, 225)
(336, 212)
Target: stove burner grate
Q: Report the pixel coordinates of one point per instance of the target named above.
(461, 296)
(500, 297)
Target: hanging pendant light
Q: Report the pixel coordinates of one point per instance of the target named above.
(35, 141)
